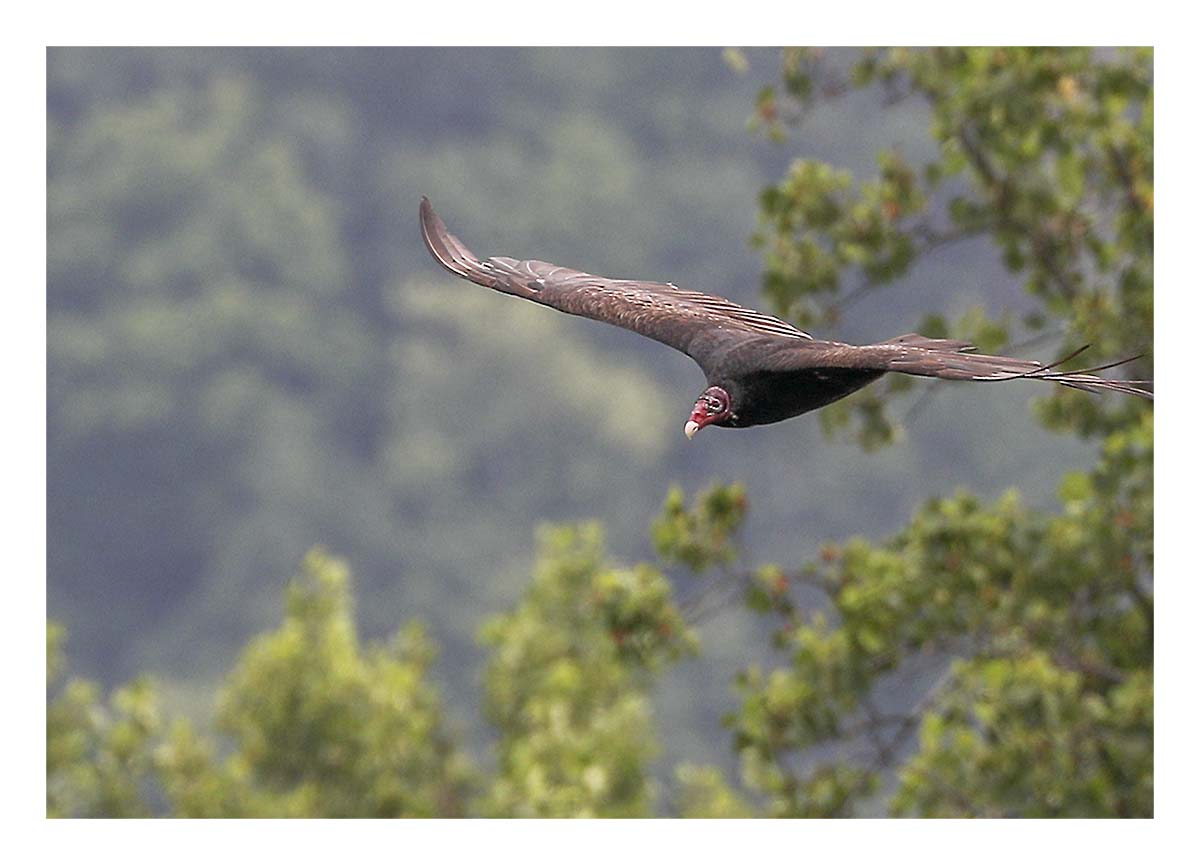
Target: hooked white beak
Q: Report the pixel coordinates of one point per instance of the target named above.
(691, 428)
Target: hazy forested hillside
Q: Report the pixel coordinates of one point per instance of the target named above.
(250, 353)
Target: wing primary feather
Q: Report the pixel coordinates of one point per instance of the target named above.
(695, 323)
(454, 255)
(1103, 366)
(975, 368)
(1036, 371)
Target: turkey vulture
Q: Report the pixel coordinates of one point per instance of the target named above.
(760, 369)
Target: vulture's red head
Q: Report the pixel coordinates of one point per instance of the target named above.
(712, 407)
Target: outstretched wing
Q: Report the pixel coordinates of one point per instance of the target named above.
(952, 359)
(689, 321)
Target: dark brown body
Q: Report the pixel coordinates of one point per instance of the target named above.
(767, 396)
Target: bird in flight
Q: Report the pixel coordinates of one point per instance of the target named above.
(759, 368)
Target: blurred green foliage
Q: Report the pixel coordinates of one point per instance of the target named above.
(989, 658)
(1039, 628)
(97, 754)
(566, 683)
(314, 725)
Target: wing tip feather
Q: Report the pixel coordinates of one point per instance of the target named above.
(452, 254)
(447, 250)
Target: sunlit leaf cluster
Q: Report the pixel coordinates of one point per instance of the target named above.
(567, 683)
(1051, 618)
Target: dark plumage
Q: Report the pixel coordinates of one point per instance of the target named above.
(760, 369)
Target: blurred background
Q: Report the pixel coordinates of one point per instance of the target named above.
(251, 353)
